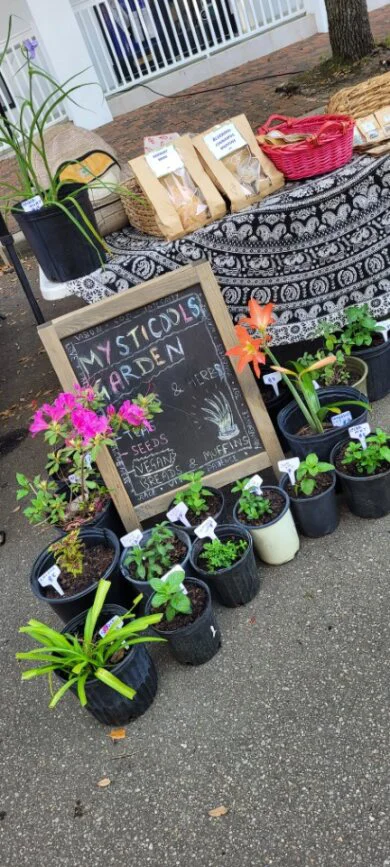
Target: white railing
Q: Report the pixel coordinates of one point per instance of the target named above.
(14, 82)
(135, 40)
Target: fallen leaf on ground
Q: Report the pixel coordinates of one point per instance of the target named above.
(252, 620)
(218, 811)
(17, 508)
(117, 734)
(104, 782)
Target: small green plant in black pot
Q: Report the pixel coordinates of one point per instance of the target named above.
(160, 548)
(364, 473)
(201, 501)
(228, 565)
(362, 337)
(313, 497)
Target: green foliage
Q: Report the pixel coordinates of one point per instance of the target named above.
(333, 374)
(69, 553)
(221, 555)
(154, 558)
(307, 473)
(358, 331)
(195, 496)
(46, 505)
(169, 594)
(253, 506)
(368, 460)
(80, 658)
(150, 403)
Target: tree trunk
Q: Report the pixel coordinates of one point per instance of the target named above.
(349, 29)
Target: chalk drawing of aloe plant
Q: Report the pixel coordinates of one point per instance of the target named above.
(218, 411)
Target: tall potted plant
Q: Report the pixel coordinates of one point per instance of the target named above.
(363, 337)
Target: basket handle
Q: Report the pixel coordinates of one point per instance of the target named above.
(280, 117)
(335, 125)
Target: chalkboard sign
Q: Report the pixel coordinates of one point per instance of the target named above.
(168, 336)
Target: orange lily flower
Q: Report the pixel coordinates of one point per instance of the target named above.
(248, 351)
(259, 317)
(323, 362)
(285, 370)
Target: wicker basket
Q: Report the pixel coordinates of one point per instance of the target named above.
(362, 99)
(328, 146)
(139, 210)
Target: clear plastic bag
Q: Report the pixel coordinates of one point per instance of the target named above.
(246, 168)
(187, 199)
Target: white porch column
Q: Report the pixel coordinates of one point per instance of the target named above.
(318, 9)
(68, 54)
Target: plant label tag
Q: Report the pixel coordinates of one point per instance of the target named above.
(384, 326)
(206, 528)
(359, 432)
(164, 161)
(316, 384)
(74, 478)
(224, 140)
(254, 485)
(178, 513)
(88, 461)
(289, 466)
(34, 204)
(113, 620)
(342, 419)
(273, 379)
(50, 579)
(131, 539)
(170, 572)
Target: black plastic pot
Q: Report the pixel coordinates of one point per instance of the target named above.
(291, 420)
(241, 582)
(137, 669)
(199, 641)
(366, 496)
(315, 516)
(107, 519)
(69, 606)
(217, 517)
(143, 586)
(378, 360)
(58, 245)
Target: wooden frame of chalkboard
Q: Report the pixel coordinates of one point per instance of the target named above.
(219, 413)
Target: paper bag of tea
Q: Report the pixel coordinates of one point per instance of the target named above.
(234, 161)
(182, 195)
(369, 128)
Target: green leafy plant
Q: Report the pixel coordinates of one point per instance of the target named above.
(79, 658)
(169, 594)
(335, 373)
(46, 505)
(154, 558)
(253, 506)
(358, 331)
(220, 555)
(308, 472)
(195, 495)
(367, 461)
(69, 553)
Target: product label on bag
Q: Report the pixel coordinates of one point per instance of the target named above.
(224, 140)
(384, 327)
(359, 432)
(342, 419)
(50, 579)
(273, 379)
(178, 513)
(254, 485)
(164, 161)
(113, 620)
(34, 204)
(170, 572)
(206, 528)
(131, 539)
(289, 466)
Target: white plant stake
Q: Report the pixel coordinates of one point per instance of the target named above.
(273, 379)
(289, 466)
(206, 529)
(50, 579)
(359, 432)
(170, 572)
(342, 419)
(131, 539)
(384, 327)
(178, 513)
(254, 485)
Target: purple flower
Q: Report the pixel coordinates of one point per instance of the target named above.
(31, 46)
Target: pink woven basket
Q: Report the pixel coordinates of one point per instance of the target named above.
(328, 148)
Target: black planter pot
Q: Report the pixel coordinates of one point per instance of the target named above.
(366, 496)
(241, 582)
(59, 247)
(199, 641)
(107, 519)
(378, 360)
(291, 420)
(217, 517)
(70, 606)
(135, 587)
(315, 516)
(137, 669)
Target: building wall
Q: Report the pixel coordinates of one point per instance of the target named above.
(21, 20)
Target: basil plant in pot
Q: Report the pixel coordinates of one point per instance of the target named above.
(364, 471)
(227, 563)
(362, 336)
(267, 516)
(100, 656)
(154, 553)
(313, 497)
(196, 502)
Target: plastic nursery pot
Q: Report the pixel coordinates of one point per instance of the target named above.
(143, 586)
(217, 517)
(107, 519)
(69, 606)
(291, 420)
(377, 358)
(277, 541)
(366, 496)
(61, 249)
(358, 370)
(238, 584)
(199, 641)
(315, 516)
(137, 669)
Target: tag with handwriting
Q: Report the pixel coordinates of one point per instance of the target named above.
(384, 326)
(170, 572)
(289, 466)
(34, 204)
(342, 419)
(359, 432)
(113, 620)
(206, 528)
(132, 539)
(178, 513)
(254, 485)
(273, 379)
(50, 579)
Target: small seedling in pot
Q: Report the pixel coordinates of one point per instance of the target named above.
(359, 330)
(307, 474)
(367, 461)
(335, 373)
(221, 555)
(69, 552)
(154, 558)
(195, 495)
(170, 594)
(253, 506)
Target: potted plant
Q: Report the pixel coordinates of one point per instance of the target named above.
(76, 427)
(201, 502)
(346, 370)
(364, 473)
(160, 549)
(313, 497)
(227, 563)
(363, 336)
(306, 421)
(100, 656)
(188, 621)
(268, 518)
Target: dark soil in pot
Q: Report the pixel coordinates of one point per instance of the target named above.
(215, 508)
(316, 515)
(238, 583)
(193, 638)
(352, 468)
(291, 422)
(366, 496)
(179, 557)
(96, 562)
(323, 482)
(277, 504)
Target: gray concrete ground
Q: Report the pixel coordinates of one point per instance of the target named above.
(287, 727)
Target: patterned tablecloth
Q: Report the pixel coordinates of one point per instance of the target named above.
(311, 249)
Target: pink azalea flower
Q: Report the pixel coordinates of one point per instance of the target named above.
(64, 403)
(88, 424)
(38, 423)
(134, 415)
(110, 409)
